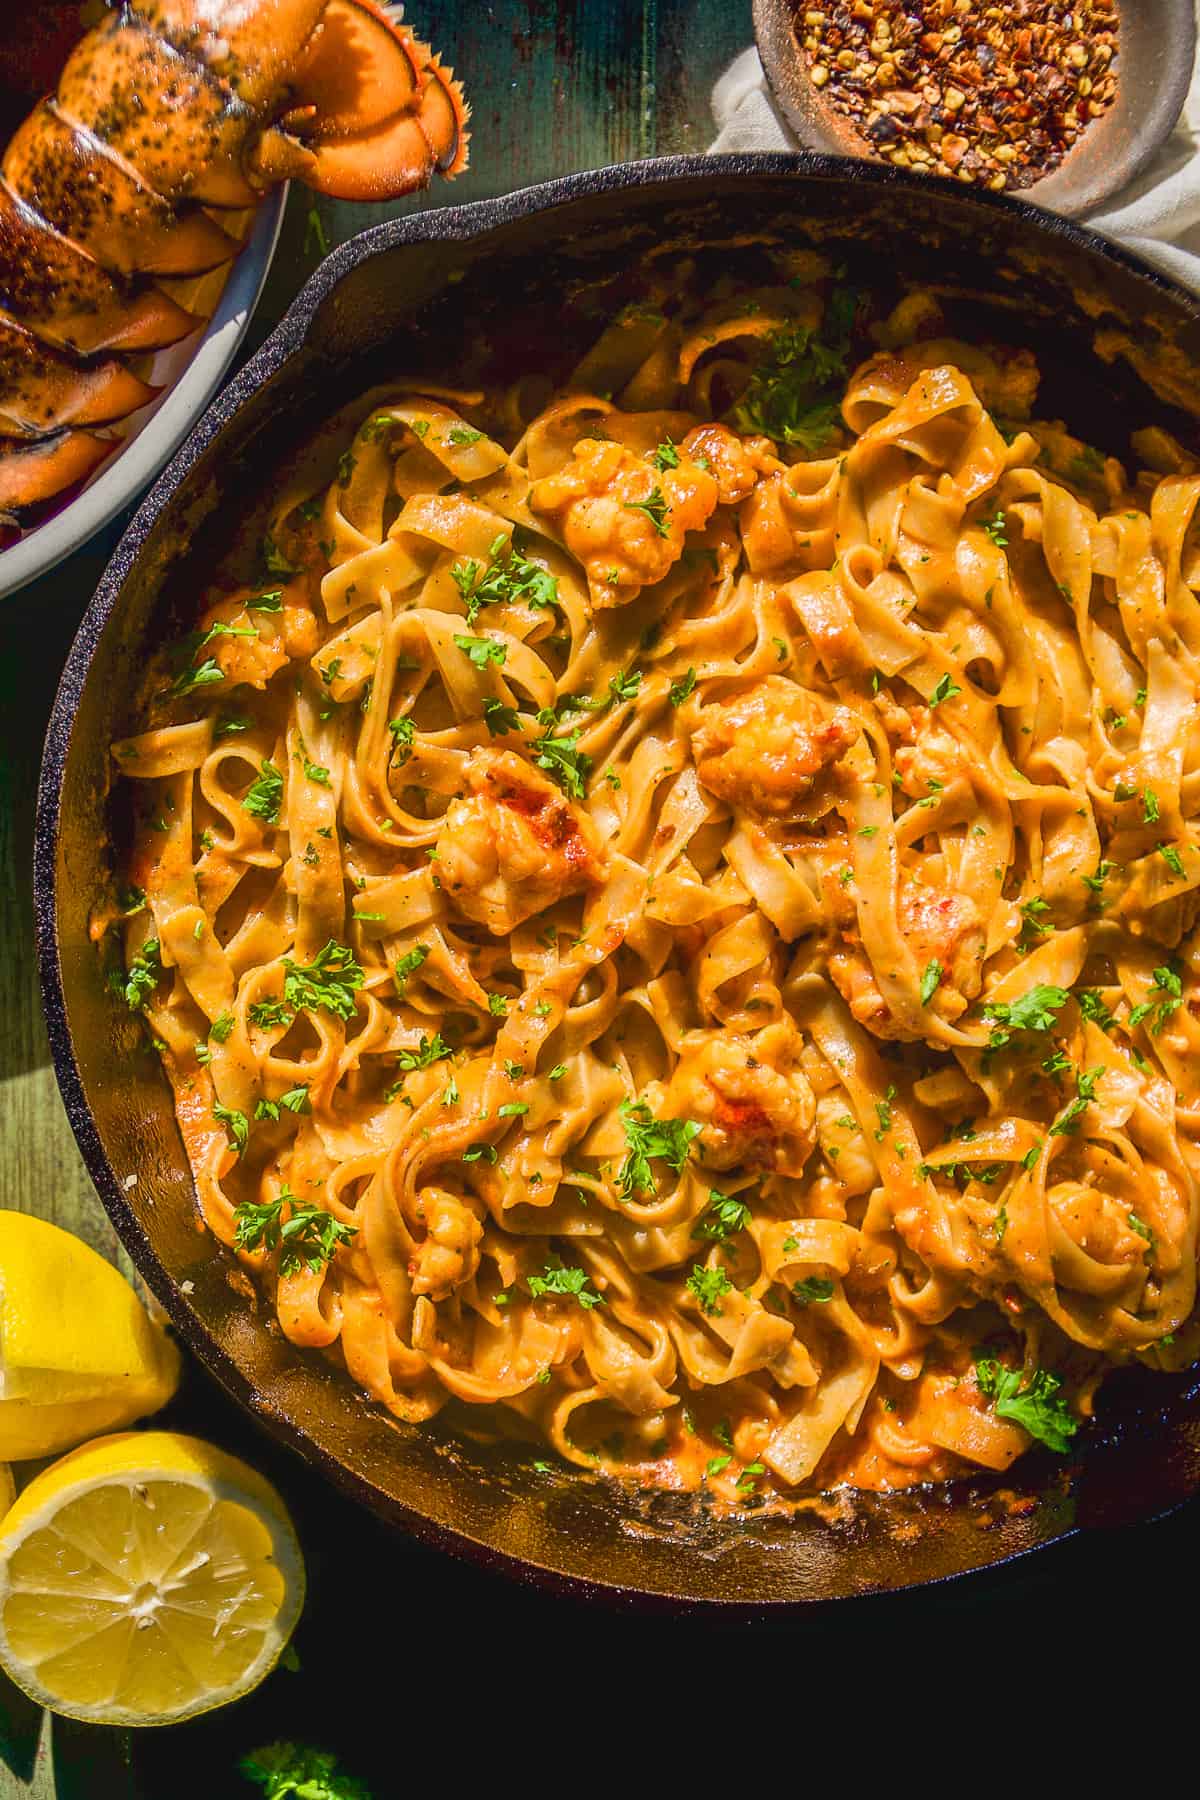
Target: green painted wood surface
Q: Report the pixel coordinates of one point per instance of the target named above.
(554, 88)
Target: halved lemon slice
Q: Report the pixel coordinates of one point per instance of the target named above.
(78, 1352)
(146, 1578)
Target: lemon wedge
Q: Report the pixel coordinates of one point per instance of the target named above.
(78, 1352)
(145, 1578)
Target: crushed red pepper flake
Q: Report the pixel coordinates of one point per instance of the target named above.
(994, 95)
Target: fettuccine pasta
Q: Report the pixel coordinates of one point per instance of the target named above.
(668, 906)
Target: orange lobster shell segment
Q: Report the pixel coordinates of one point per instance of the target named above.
(42, 389)
(33, 473)
(51, 287)
(91, 195)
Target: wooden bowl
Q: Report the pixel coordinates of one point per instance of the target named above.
(1157, 46)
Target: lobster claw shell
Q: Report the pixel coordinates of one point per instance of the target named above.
(387, 114)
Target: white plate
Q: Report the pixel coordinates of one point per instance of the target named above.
(193, 369)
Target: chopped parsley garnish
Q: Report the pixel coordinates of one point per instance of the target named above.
(1172, 858)
(287, 1769)
(708, 1287)
(269, 601)
(883, 1112)
(429, 1050)
(792, 394)
(318, 773)
(930, 981)
(403, 732)
(995, 528)
(945, 690)
(408, 964)
(1085, 1093)
(1097, 881)
(624, 687)
(307, 1239)
(197, 676)
(564, 762)
(721, 1218)
(1159, 1010)
(1149, 807)
(1034, 1011)
(264, 796)
(330, 981)
(682, 688)
(143, 975)
(655, 508)
(221, 1027)
(499, 718)
(463, 434)
(816, 1289)
(1092, 1006)
(507, 579)
(236, 1123)
(568, 1283)
(1036, 1407)
(666, 456)
(649, 1139)
(274, 561)
(497, 1005)
(296, 1100)
(482, 651)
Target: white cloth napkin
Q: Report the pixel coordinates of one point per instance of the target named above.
(1157, 216)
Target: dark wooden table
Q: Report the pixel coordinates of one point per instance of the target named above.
(407, 1658)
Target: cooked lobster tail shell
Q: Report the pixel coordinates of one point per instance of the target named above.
(167, 111)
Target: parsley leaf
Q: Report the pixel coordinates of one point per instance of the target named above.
(408, 964)
(330, 980)
(930, 981)
(264, 796)
(236, 1123)
(289, 1771)
(682, 688)
(945, 690)
(428, 1050)
(143, 975)
(708, 1286)
(1085, 1093)
(815, 1289)
(499, 718)
(507, 579)
(1034, 1011)
(307, 1239)
(666, 456)
(995, 528)
(482, 651)
(564, 762)
(647, 1139)
(791, 395)
(655, 508)
(721, 1218)
(1036, 1407)
(569, 1283)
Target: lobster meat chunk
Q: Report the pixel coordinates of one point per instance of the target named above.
(170, 120)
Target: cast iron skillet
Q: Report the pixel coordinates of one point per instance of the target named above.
(529, 273)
